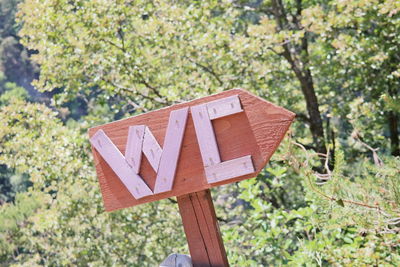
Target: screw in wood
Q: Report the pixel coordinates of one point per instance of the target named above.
(129, 165)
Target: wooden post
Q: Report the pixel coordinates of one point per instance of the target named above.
(202, 231)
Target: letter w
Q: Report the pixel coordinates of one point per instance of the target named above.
(140, 139)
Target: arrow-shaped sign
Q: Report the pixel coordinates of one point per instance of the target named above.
(188, 147)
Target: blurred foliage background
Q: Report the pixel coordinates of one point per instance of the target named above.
(329, 197)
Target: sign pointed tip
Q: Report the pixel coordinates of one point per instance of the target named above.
(272, 108)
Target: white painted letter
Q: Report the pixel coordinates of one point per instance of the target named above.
(216, 170)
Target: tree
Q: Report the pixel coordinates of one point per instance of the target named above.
(14, 58)
(60, 219)
(293, 43)
(334, 63)
(367, 44)
(176, 53)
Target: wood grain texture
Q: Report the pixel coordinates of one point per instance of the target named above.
(257, 132)
(205, 135)
(171, 150)
(224, 107)
(217, 171)
(202, 231)
(152, 149)
(133, 151)
(229, 169)
(117, 162)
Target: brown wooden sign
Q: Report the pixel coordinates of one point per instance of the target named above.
(186, 148)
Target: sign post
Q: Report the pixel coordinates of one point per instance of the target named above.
(183, 151)
(201, 229)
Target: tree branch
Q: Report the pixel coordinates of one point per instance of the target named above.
(122, 88)
(309, 174)
(303, 117)
(142, 80)
(206, 69)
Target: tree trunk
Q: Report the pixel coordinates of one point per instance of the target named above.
(298, 58)
(393, 120)
(307, 87)
(316, 126)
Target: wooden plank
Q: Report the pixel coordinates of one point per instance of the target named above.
(205, 135)
(133, 151)
(119, 165)
(197, 247)
(202, 230)
(151, 149)
(229, 169)
(224, 107)
(171, 150)
(207, 207)
(257, 132)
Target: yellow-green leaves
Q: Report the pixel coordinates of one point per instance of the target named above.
(313, 19)
(60, 219)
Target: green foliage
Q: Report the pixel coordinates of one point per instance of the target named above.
(10, 92)
(11, 183)
(163, 52)
(352, 218)
(14, 58)
(64, 224)
(107, 60)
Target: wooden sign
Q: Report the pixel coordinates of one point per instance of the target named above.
(186, 148)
